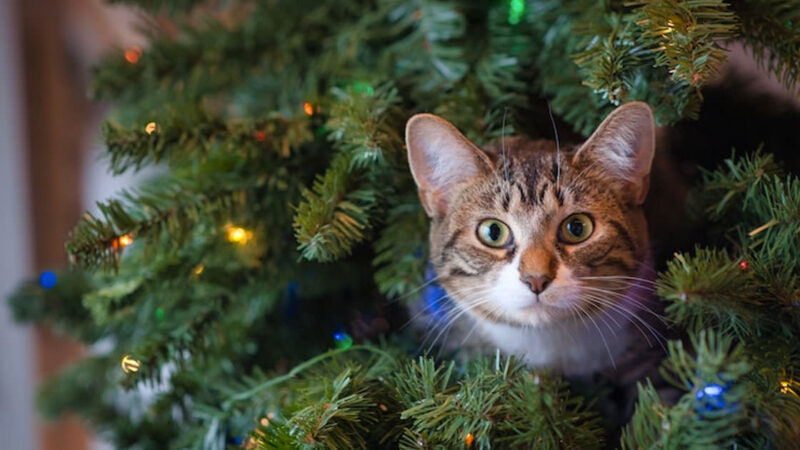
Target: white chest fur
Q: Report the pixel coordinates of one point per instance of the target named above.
(572, 347)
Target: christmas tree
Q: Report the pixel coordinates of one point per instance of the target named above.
(254, 294)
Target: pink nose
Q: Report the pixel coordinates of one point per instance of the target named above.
(537, 283)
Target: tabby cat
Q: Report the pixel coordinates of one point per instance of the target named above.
(543, 251)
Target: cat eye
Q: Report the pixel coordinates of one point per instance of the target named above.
(575, 229)
(494, 233)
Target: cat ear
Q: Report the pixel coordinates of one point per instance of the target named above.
(624, 144)
(440, 158)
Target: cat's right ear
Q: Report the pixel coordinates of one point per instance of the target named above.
(440, 158)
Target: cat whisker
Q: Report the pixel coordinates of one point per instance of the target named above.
(621, 278)
(572, 309)
(602, 336)
(628, 291)
(427, 307)
(503, 147)
(446, 327)
(641, 302)
(415, 290)
(558, 145)
(627, 314)
(630, 315)
(472, 330)
(458, 309)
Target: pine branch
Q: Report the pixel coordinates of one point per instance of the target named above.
(333, 217)
(609, 63)
(429, 31)
(775, 204)
(342, 204)
(688, 33)
(59, 307)
(759, 205)
(618, 57)
(735, 182)
(364, 125)
(495, 402)
(772, 29)
(541, 411)
(188, 134)
(719, 370)
(710, 290)
(192, 61)
(400, 250)
(172, 207)
(337, 420)
(508, 52)
(559, 78)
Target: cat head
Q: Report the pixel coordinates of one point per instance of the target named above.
(526, 234)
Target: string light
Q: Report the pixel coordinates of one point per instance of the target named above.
(159, 313)
(122, 241)
(125, 240)
(516, 9)
(198, 270)
(129, 364)
(469, 439)
(362, 87)
(264, 422)
(308, 108)
(238, 235)
(47, 279)
(261, 136)
(743, 265)
(133, 54)
(150, 128)
(786, 388)
(343, 340)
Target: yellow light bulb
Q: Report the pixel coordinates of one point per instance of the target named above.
(308, 108)
(125, 240)
(150, 128)
(199, 269)
(129, 364)
(238, 235)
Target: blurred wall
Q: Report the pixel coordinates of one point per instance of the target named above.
(48, 174)
(16, 343)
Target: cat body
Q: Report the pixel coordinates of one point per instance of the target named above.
(543, 251)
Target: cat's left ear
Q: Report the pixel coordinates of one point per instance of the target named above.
(624, 144)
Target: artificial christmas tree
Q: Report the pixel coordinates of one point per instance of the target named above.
(288, 224)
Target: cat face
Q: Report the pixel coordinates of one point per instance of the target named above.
(526, 235)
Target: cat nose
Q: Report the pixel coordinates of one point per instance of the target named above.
(537, 283)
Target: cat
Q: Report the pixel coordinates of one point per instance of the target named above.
(542, 251)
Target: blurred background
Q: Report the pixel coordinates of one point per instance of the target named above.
(51, 170)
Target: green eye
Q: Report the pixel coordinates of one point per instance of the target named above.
(576, 228)
(494, 233)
